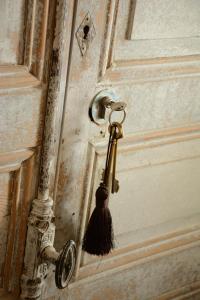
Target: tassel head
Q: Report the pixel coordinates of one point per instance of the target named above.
(98, 239)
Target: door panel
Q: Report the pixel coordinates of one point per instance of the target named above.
(17, 177)
(155, 29)
(161, 207)
(149, 53)
(11, 31)
(158, 20)
(28, 122)
(23, 28)
(126, 282)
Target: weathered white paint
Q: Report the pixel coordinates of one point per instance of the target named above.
(160, 20)
(156, 212)
(27, 129)
(147, 29)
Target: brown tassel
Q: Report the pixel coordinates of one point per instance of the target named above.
(98, 239)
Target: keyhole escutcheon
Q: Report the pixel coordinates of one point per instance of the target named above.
(86, 30)
(85, 34)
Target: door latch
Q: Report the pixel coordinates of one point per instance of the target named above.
(64, 261)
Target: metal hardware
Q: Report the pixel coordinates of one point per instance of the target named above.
(123, 118)
(102, 103)
(118, 135)
(116, 132)
(85, 34)
(64, 262)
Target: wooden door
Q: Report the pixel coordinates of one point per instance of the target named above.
(149, 53)
(23, 82)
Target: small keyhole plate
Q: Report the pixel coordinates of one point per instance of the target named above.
(85, 34)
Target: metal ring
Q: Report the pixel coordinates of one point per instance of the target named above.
(65, 265)
(123, 119)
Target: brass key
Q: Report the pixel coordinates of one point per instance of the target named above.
(115, 182)
(109, 157)
(118, 134)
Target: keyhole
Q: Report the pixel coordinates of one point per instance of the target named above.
(86, 30)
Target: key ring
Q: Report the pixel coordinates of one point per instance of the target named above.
(123, 119)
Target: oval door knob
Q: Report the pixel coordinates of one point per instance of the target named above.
(64, 261)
